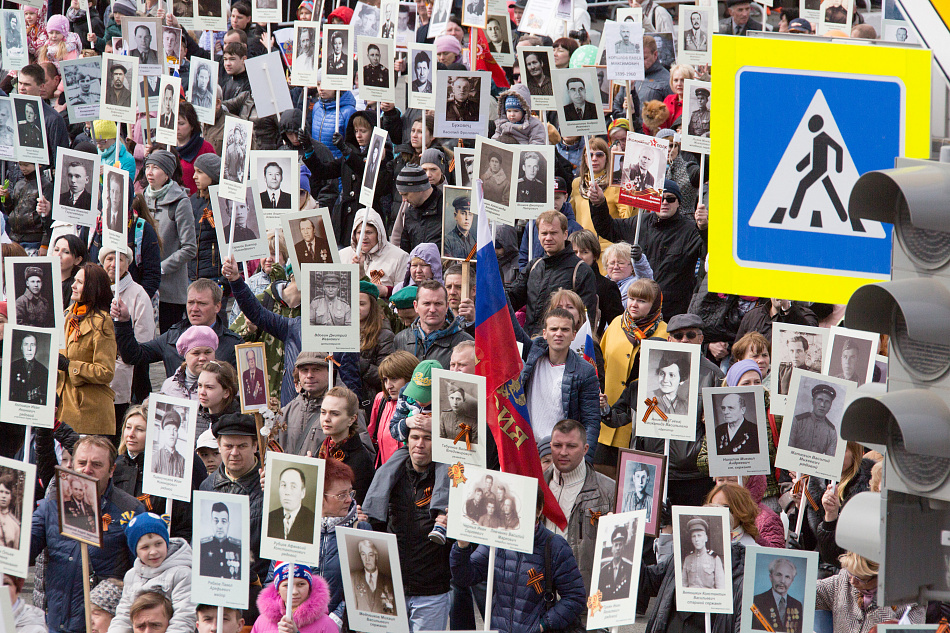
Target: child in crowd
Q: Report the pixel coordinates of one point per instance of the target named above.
(518, 125)
(161, 564)
(207, 447)
(395, 371)
(309, 597)
(25, 223)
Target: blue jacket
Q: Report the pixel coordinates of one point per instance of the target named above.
(126, 160)
(288, 330)
(572, 225)
(323, 121)
(329, 566)
(64, 597)
(516, 606)
(580, 390)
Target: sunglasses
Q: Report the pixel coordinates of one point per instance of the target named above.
(688, 335)
(669, 198)
(598, 155)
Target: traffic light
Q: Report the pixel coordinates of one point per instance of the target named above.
(912, 419)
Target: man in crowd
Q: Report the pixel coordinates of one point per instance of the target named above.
(740, 19)
(151, 612)
(424, 214)
(435, 332)
(30, 80)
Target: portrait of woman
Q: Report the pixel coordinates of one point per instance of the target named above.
(202, 94)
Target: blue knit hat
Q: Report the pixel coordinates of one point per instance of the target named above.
(513, 103)
(738, 370)
(305, 178)
(142, 524)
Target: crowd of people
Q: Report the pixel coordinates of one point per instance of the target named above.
(174, 304)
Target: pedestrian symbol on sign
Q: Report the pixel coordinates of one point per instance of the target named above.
(816, 153)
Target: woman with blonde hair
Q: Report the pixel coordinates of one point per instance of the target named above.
(674, 102)
(625, 264)
(596, 175)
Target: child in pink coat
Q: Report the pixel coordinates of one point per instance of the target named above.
(309, 597)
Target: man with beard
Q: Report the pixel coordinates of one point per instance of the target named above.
(117, 94)
(782, 612)
(167, 460)
(331, 308)
(694, 39)
(32, 308)
(29, 377)
(77, 180)
(460, 240)
(530, 188)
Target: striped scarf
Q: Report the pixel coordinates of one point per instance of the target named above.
(76, 314)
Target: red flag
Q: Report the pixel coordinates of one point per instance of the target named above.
(485, 61)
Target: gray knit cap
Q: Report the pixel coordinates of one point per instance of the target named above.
(210, 164)
(106, 595)
(434, 156)
(412, 178)
(165, 161)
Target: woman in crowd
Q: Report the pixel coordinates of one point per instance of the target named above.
(217, 393)
(395, 371)
(379, 259)
(191, 144)
(26, 617)
(88, 366)
(770, 526)
(424, 263)
(176, 228)
(580, 190)
(342, 441)
(625, 264)
(309, 598)
(743, 512)
(754, 346)
(376, 338)
(196, 345)
(72, 253)
(674, 102)
(407, 154)
(681, 169)
(207, 262)
(564, 47)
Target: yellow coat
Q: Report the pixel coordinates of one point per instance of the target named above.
(581, 206)
(619, 358)
(88, 402)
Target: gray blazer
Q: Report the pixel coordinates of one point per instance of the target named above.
(176, 227)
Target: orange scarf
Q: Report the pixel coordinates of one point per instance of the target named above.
(77, 313)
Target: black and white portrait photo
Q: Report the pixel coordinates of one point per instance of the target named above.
(623, 51)
(422, 62)
(17, 486)
(365, 20)
(494, 508)
(31, 132)
(29, 369)
(371, 575)
(220, 547)
(816, 420)
(850, 355)
(15, 50)
(579, 107)
(406, 23)
(665, 48)
(74, 183)
(376, 74)
(120, 84)
(235, 159)
(114, 203)
(170, 441)
(703, 542)
(422, 71)
(462, 98)
(171, 422)
(33, 289)
(119, 90)
(251, 373)
(329, 303)
(465, 95)
(389, 10)
(697, 116)
(276, 174)
(696, 38)
(292, 505)
(579, 102)
(330, 306)
(616, 167)
(7, 130)
(171, 45)
(494, 168)
(337, 55)
(459, 224)
(211, 15)
(694, 34)
(498, 34)
(670, 372)
(464, 166)
(374, 157)
(532, 177)
(203, 80)
(781, 587)
(493, 504)
(79, 516)
(536, 64)
(221, 554)
(473, 13)
(238, 225)
(669, 384)
(143, 36)
(639, 487)
(167, 129)
(82, 82)
(793, 347)
(459, 411)
(616, 570)
(736, 427)
(167, 115)
(305, 63)
(310, 234)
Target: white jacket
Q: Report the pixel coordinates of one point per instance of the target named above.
(173, 577)
(28, 619)
(385, 256)
(143, 326)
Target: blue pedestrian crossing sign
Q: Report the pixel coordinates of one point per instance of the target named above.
(787, 156)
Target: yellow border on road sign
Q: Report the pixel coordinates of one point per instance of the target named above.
(730, 55)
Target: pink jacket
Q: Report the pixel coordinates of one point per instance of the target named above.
(310, 617)
(379, 428)
(771, 528)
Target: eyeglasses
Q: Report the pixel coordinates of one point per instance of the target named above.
(669, 198)
(689, 335)
(343, 496)
(598, 155)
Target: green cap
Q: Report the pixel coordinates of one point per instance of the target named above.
(420, 387)
(369, 288)
(405, 297)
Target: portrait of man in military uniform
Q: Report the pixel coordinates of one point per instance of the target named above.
(29, 378)
(780, 610)
(812, 431)
(459, 227)
(220, 553)
(531, 185)
(372, 587)
(699, 118)
(166, 460)
(34, 305)
(374, 73)
(462, 99)
(79, 511)
(330, 291)
(252, 379)
(638, 488)
(702, 565)
(616, 572)
(735, 433)
(28, 123)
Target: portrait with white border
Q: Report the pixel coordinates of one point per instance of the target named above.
(494, 162)
(500, 42)
(28, 381)
(120, 86)
(78, 507)
(293, 508)
(76, 199)
(115, 207)
(423, 70)
(239, 225)
(368, 555)
(615, 580)
(211, 15)
(34, 291)
(202, 82)
(580, 109)
(696, 116)
(337, 58)
(7, 130)
(169, 446)
(144, 43)
(536, 63)
(532, 180)
(493, 508)
(375, 154)
(623, 48)
(458, 418)
(235, 158)
(17, 483)
(309, 237)
(376, 68)
(695, 35)
(702, 551)
(774, 577)
(670, 372)
(306, 66)
(466, 95)
(82, 83)
(31, 141)
(793, 346)
(221, 559)
(736, 437)
(330, 319)
(16, 53)
(277, 173)
(166, 131)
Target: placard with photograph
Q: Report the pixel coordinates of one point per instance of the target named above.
(835, 15)
(640, 477)
(811, 440)
(493, 508)
(473, 13)
(310, 238)
(466, 95)
(306, 65)
(28, 382)
(268, 86)
(120, 82)
(439, 18)
(580, 109)
(670, 372)
(902, 33)
(115, 207)
(736, 437)
(615, 580)
(238, 135)
(778, 590)
(76, 200)
(880, 369)
(540, 18)
(250, 236)
(16, 54)
(148, 89)
(167, 130)
(422, 62)
(493, 165)
(376, 72)
(623, 45)
(171, 44)
(202, 84)
(536, 63)
(211, 15)
(809, 9)
(143, 36)
(169, 446)
(7, 130)
(252, 376)
(337, 58)
(375, 154)
(850, 355)
(459, 416)
(388, 12)
(630, 14)
(82, 82)
(695, 34)
(702, 560)
(365, 20)
(644, 171)
(34, 291)
(696, 116)
(616, 167)
(30, 130)
(459, 223)
(277, 173)
(264, 11)
(221, 561)
(330, 307)
(406, 25)
(364, 555)
(464, 167)
(78, 504)
(498, 36)
(665, 48)
(293, 506)
(800, 346)
(184, 11)
(17, 483)
(533, 181)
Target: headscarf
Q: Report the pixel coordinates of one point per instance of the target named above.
(738, 370)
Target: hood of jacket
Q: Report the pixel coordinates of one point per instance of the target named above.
(179, 555)
(506, 238)
(290, 121)
(520, 91)
(429, 253)
(174, 194)
(350, 134)
(311, 610)
(376, 221)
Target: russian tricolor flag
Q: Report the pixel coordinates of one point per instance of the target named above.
(500, 364)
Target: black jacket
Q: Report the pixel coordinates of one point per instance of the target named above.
(423, 224)
(759, 319)
(672, 247)
(363, 462)
(207, 264)
(546, 274)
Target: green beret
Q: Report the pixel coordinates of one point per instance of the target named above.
(405, 297)
(369, 288)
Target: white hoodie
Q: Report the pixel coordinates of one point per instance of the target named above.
(385, 256)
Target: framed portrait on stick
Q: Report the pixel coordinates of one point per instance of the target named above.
(422, 63)
(793, 347)
(78, 499)
(702, 552)
(17, 483)
(82, 81)
(120, 85)
(337, 57)
(536, 65)
(616, 571)
(75, 199)
(580, 108)
(293, 504)
(252, 376)
(309, 237)
(306, 65)
(277, 173)
(696, 116)
(34, 289)
(493, 508)
(115, 207)
(30, 130)
(466, 96)
(15, 53)
(168, 90)
(851, 355)
(232, 183)
(239, 225)
(640, 478)
(143, 37)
